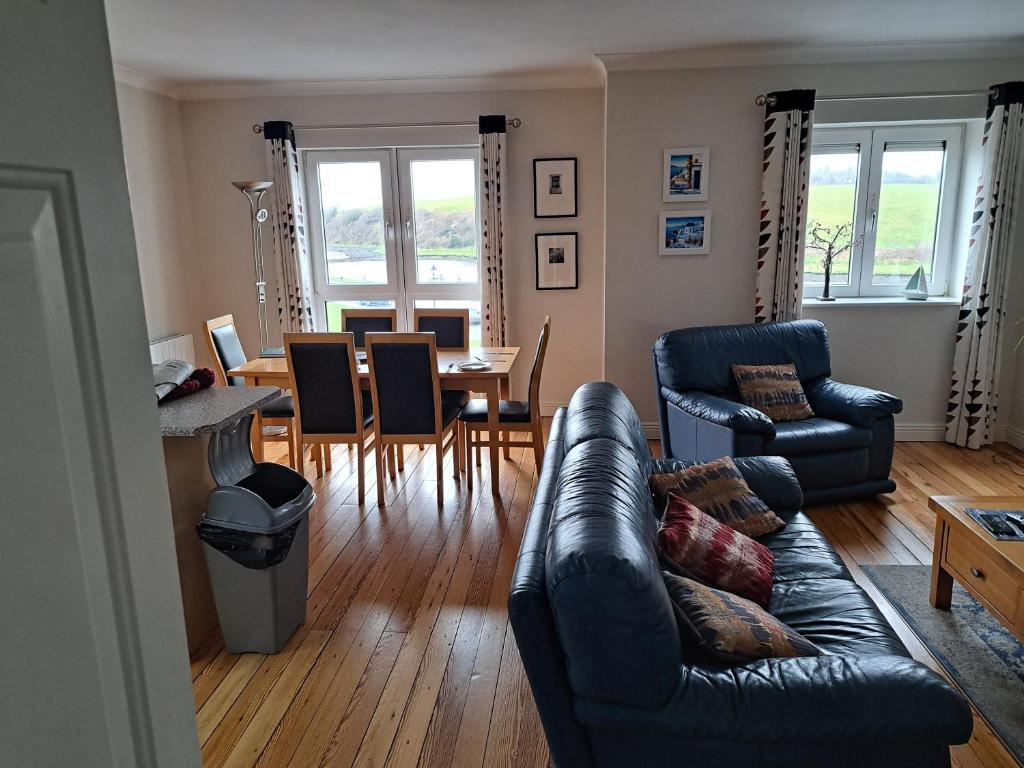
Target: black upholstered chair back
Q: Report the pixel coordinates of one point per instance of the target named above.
(226, 348)
(360, 322)
(325, 382)
(404, 382)
(449, 326)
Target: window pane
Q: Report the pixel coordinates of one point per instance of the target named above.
(351, 199)
(472, 306)
(444, 215)
(334, 310)
(832, 202)
(908, 211)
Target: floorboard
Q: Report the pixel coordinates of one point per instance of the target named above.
(407, 657)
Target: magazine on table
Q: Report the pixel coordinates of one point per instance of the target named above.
(168, 375)
(1001, 524)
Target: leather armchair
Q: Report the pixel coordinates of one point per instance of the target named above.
(608, 668)
(843, 452)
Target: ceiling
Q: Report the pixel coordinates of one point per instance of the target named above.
(282, 41)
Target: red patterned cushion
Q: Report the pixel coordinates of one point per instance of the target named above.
(730, 629)
(718, 489)
(714, 553)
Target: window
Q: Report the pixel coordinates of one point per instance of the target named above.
(884, 197)
(394, 228)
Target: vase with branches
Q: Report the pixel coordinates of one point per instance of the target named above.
(831, 242)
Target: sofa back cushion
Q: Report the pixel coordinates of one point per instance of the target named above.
(612, 611)
(601, 410)
(702, 358)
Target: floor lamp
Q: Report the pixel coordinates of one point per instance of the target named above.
(254, 191)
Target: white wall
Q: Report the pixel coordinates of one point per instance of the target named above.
(155, 162)
(222, 147)
(907, 350)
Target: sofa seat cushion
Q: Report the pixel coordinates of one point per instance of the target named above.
(727, 628)
(832, 469)
(836, 615)
(816, 435)
(802, 552)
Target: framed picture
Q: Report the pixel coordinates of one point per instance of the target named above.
(685, 233)
(554, 187)
(685, 175)
(557, 262)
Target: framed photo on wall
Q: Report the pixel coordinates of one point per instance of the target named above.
(685, 175)
(684, 233)
(554, 187)
(557, 260)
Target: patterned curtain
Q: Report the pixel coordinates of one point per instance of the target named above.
(492, 170)
(785, 168)
(288, 216)
(973, 396)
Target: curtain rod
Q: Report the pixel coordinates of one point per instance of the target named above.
(512, 122)
(763, 100)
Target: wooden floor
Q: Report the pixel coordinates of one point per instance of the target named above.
(407, 657)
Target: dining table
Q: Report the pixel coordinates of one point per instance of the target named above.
(492, 382)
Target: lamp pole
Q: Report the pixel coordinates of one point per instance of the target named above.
(254, 191)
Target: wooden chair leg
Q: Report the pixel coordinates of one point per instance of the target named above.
(469, 457)
(439, 452)
(401, 457)
(391, 461)
(457, 452)
(538, 445)
(318, 458)
(378, 459)
(301, 468)
(291, 446)
(476, 448)
(327, 455)
(361, 469)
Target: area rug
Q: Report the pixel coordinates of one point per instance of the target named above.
(986, 661)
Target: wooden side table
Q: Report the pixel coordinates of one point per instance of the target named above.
(992, 571)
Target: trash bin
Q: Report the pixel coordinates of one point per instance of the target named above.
(256, 535)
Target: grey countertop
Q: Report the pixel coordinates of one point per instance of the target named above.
(211, 409)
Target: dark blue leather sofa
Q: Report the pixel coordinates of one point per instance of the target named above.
(600, 645)
(844, 452)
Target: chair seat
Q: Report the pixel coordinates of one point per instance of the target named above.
(449, 413)
(815, 435)
(511, 411)
(280, 408)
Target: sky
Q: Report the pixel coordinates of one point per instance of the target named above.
(358, 185)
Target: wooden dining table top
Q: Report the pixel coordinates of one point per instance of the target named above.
(501, 359)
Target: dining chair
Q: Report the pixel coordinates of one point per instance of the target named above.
(329, 405)
(517, 415)
(226, 350)
(451, 331)
(407, 405)
(360, 322)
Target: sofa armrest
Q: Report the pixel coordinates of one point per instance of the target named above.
(771, 478)
(815, 699)
(851, 404)
(725, 413)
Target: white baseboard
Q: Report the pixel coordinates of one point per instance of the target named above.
(1014, 436)
(548, 409)
(924, 433)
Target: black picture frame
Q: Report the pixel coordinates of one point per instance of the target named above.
(575, 260)
(537, 171)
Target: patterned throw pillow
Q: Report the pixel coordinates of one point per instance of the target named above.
(718, 489)
(775, 390)
(715, 554)
(730, 629)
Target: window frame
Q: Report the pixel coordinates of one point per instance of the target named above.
(871, 141)
(402, 287)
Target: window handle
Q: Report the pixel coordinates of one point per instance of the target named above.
(874, 220)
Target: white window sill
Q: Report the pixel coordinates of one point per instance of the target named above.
(880, 301)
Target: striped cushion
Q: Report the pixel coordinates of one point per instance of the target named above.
(730, 629)
(775, 390)
(713, 553)
(718, 489)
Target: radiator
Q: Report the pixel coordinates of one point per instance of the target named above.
(177, 347)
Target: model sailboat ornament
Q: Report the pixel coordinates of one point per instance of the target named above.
(917, 288)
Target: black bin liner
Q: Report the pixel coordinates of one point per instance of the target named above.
(251, 550)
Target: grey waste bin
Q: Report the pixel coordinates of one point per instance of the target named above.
(256, 536)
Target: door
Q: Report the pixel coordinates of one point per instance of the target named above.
(94, 668)
(394, 227)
